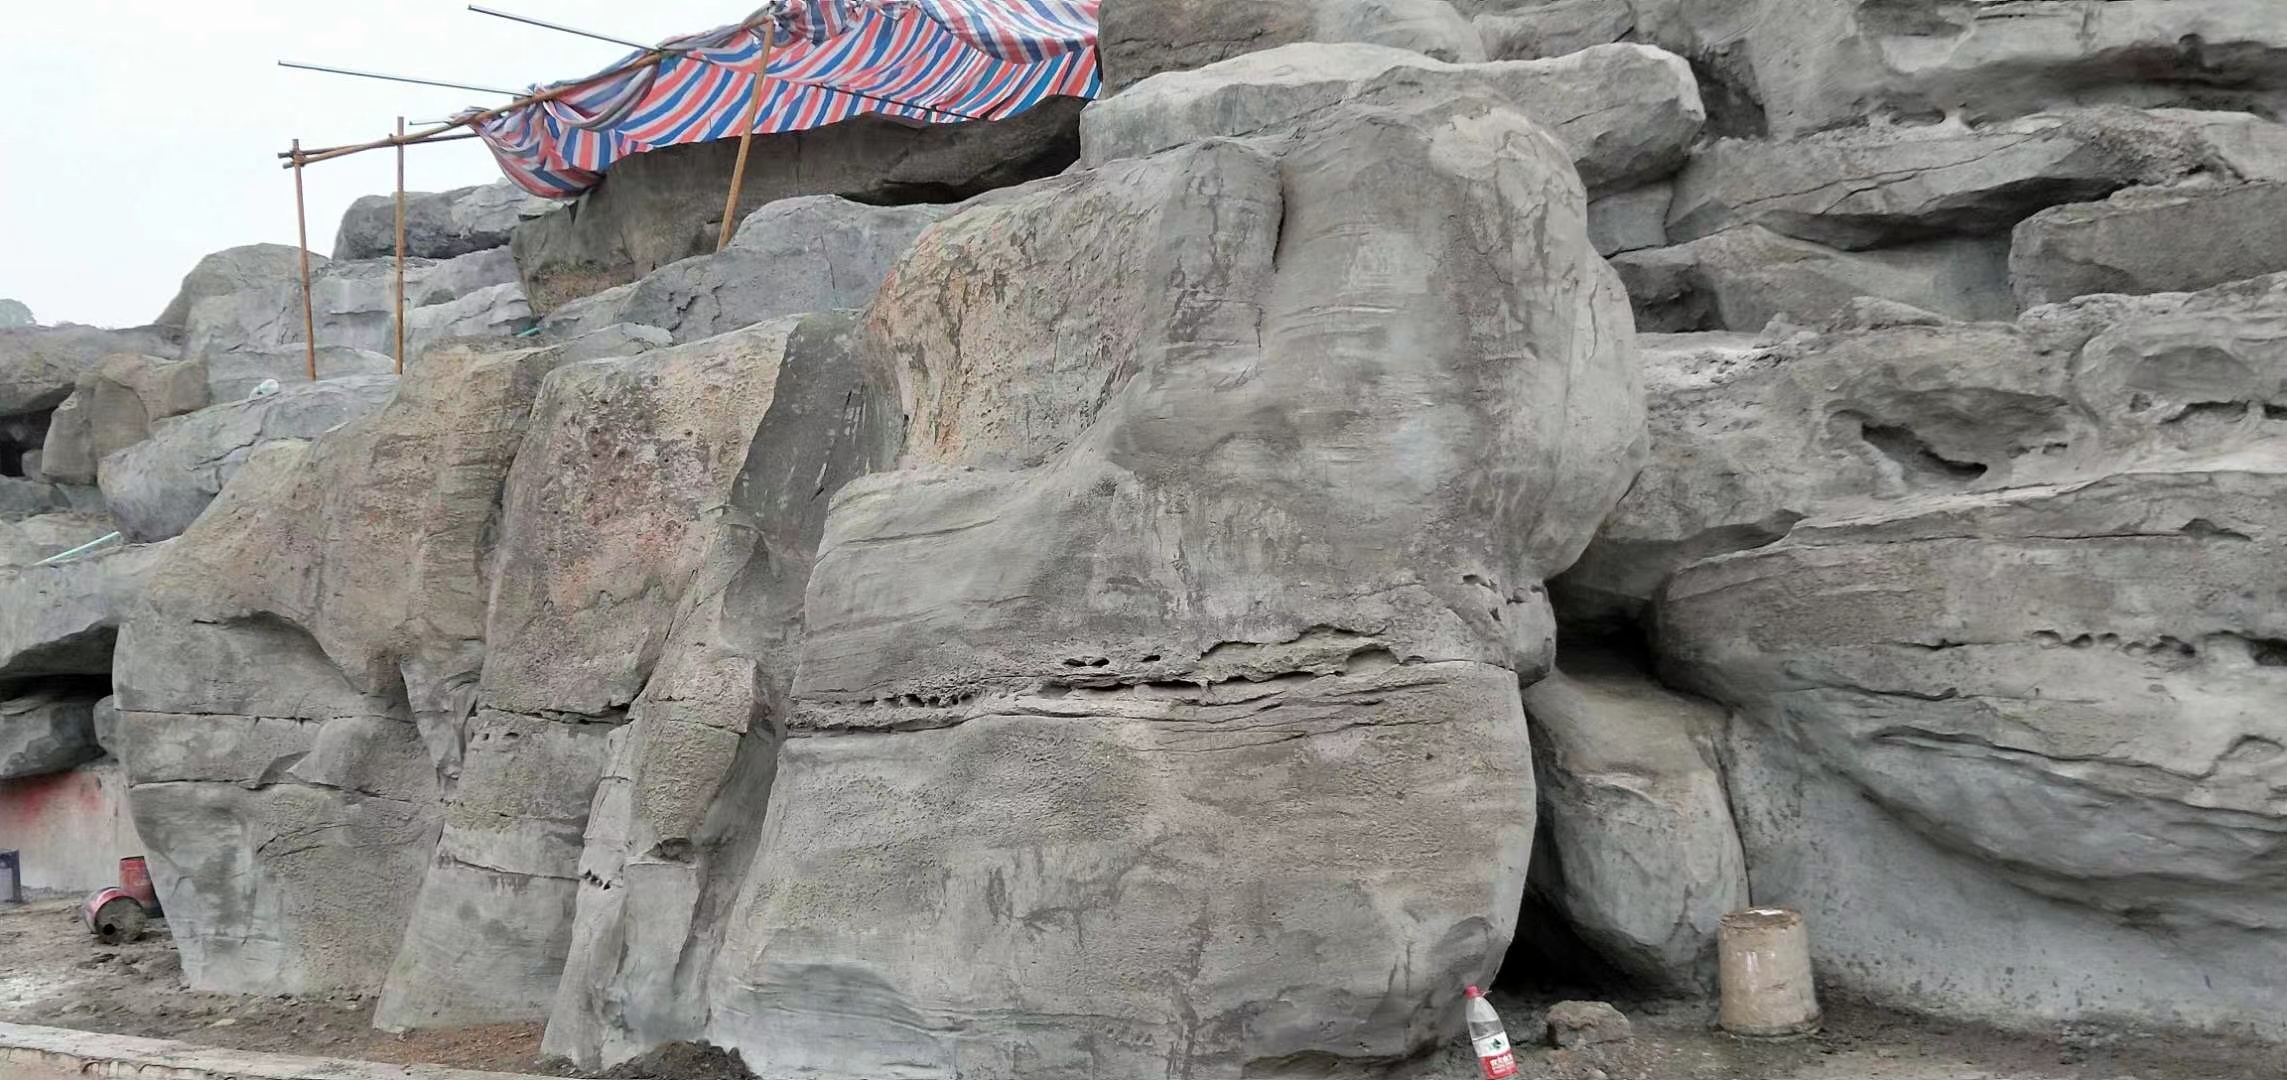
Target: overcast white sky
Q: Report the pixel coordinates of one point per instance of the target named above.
(138, 136)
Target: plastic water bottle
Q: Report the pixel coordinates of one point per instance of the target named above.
(1489, 1038)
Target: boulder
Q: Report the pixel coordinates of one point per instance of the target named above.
(681, 805)
(295, 694)
(1573, 1024)
(156, 488)
(25, 542)
(39, 365)
(1872, 187)
(61, 619)
(1632, 220)
(113, 406)
(46, 732)
(1129, 736)
(14, 315)
(217, 277)
(1645, 860)
(604, 520)
(1537, 32)
(1142, 38)
(438, 224)
(1742, 278)
(2040, 718)
(1628, 112)
(257, 304)
(810, 253)
(666, 205)
(2151, 241)
(496, 311)
(1826, 63)
(21, 498)
(232, 376)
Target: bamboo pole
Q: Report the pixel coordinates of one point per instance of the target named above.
(302, 228)
(400, 248)
(746, 136)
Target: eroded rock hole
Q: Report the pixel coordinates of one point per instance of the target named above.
(1913, 453)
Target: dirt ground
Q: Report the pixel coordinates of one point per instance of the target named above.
(53, 973)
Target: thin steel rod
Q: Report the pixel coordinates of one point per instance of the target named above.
(395, 78)
(558, 27)
(746, 138)
(302, 229)
(400, 247)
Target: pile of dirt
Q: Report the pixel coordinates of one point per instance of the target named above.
(684, 1061)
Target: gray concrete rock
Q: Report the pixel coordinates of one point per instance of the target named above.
(39, 365)
(46, 732)
(2151, 241)
(1628, 112)
(1871, 187)
(155, 489)
(1742, 278)
(232, 376)
(438, 224)
(496, 311)
(1142, 38)
(1632, 220)
(2055, 702)
(1645, 857)
(811, 253)
(1539, 31)
(21, 498)
(61, 619)
(1822, 63)
(681, 806)
(232, 271)
(103, 718)
(14, 315)
(666, 205)
(294, 695)
(1587, 1023)
(253, 303)
(1086, 446)
(25, 542)
(113, 406)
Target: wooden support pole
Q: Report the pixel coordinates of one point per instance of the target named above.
(400, 247)
(769, 32)
(302, 228)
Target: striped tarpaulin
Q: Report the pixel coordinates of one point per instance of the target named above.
(931, 61)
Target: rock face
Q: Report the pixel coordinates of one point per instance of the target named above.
(1627, 112)
(813, 253)
(2151, 241)
(1741, 279)
(1142, 38)
(45, 733)
(1130, 698)
(659, 207)
(250, 300)
(1986, 601)
(113, 406)
(40, 365)
(438, 225)
(1645, 857)
(156, 488)
(62, 619)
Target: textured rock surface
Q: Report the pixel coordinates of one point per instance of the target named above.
(156, 488)
(1825, 63)
(813, 253)
(1646, 860)
(659, 207)
(231, 376)
(1866, 188)
(604, 521)
(45, 733)
(1628, 112)
(294, 695)
(438, 224)
(113, 406)
(1141, 38)
(1538, 31)
(250, 300)
(1741, 279)
(62, 619)
(1587, 1023)
(1630, 220)
(1101, 723)
(2151, 241)
(25, 542)
(39, 365)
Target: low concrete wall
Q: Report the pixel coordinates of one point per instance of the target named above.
(38, 1053)
(72, 828)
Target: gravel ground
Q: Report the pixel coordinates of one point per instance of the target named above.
(53, 973)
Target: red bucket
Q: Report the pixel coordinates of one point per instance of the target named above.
(135, 881)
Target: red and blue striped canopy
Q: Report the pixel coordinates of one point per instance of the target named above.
(932, 61)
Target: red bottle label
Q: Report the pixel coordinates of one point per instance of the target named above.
(1496, 1057)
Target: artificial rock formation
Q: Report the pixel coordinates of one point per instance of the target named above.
(438, 225)
(1189, 683)
(113, 406)
(1143, 38)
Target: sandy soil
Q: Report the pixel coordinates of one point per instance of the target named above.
(52, 972)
